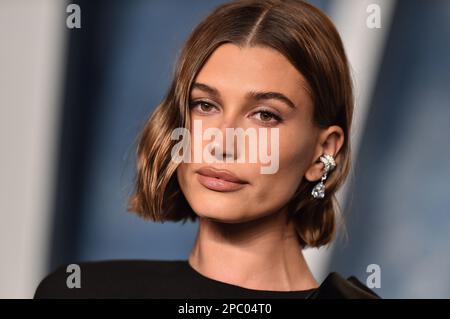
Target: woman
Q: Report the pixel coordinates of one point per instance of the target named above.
(279, 68)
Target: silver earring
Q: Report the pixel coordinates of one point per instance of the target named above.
(329, 163)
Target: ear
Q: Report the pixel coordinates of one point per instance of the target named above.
(330, 141)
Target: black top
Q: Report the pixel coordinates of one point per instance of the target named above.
(158, 279)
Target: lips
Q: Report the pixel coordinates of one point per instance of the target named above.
(219, 180)
(221, 174)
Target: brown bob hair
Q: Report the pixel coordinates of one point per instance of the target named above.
(310, 41)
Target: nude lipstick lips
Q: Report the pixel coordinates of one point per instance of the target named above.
(219, 180)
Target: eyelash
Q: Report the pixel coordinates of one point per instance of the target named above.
(278, 119)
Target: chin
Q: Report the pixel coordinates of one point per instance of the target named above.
(221, 212)
(222, 219)
(226, 215)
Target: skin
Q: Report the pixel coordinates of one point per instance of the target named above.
(243, 238)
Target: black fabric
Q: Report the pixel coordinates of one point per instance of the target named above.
(159, 279)
(335, 286)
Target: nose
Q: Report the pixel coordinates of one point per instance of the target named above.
(223, 149)
(226, 148)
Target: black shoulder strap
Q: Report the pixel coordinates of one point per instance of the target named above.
(337, 287)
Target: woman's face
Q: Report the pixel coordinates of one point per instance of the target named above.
(233, 72)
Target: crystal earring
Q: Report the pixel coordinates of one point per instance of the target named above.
(329, 163)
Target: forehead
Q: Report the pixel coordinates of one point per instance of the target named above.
(232, 69)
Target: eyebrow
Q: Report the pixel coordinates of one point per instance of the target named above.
(251, 95)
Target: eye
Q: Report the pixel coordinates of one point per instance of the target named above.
(267, 117)
(204, 107)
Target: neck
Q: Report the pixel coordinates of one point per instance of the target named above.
(262, 254)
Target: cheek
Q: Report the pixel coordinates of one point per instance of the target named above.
(295, 152)
(185, 182)
(181, 176)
